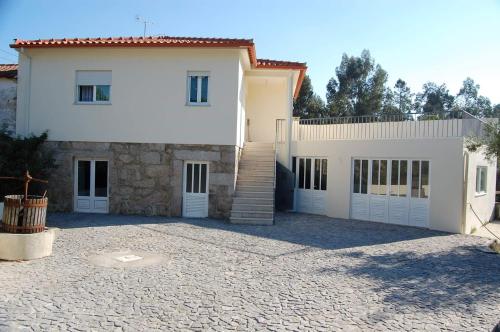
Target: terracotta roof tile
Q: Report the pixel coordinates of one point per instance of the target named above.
(136, 41)
(267, 63)
(8, 70)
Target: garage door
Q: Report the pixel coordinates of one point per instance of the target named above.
(310, 186)
(391, 191)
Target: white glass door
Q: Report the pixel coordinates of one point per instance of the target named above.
(195, 192)
(311, 184)
(91, 186)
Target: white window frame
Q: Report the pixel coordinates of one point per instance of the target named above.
(199, 75)
(481, 171)
(94, 91)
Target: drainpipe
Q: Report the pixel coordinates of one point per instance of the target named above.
(465, 191)
(290, 120)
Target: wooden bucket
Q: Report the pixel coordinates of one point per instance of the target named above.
(24, 217)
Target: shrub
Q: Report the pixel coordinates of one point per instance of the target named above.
(18, 154)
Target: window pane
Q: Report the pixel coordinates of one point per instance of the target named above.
(383, 178)
(189, 177)
(403, 178)
(301, 173)
(317, 173)
(357, 173)
(193, 89)
(86, 93)
(324, 172)
(204, 89)
(196, 181)
(483, 179)
(83, 178)
(375, 169)
(102, 92)
(394, 177)
(424, 180)
(414, 178)
(203, 178)
(364, 176)
(308, 173)
(101, 179)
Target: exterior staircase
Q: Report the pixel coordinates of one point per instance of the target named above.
(253, 202)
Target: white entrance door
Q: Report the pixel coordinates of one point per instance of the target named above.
(311, 184)
(420, 191)
(379, 201)
(195, 193)
(391, 191)
(91, 186)
(360, 200)
(399, 200)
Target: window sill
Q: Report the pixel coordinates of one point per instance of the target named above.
(198, 104)
(92, 103)
(481, 194)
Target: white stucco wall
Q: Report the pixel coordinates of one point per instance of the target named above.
(267, 100)
(148, 95)
(446, 177)
(479, 206)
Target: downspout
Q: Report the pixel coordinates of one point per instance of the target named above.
(465, 191)
(27, 97)
(289, 121)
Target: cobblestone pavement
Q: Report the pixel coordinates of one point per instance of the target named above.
(304, 273)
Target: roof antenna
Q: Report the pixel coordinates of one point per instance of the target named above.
(142, 20)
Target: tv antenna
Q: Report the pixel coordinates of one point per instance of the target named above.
(144, 21)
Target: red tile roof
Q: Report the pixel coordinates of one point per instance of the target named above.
(8, 70)
(167, 41)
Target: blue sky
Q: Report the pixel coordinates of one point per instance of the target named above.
(418, 41)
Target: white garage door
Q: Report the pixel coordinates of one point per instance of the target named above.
(310, 186)
(391, 191)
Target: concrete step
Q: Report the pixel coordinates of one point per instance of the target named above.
(251, 200)
(260, 189)
(255, 182)
(257, 158)
(252, 214)
(256, 171)
(252, 221)
(256, 177)
(254, 194)
(252, 207)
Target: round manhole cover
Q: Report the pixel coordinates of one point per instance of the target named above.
(126, 259)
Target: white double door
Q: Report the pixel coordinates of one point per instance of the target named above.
(91, 186)
(391, 191)
(195, 189)
(310, 184)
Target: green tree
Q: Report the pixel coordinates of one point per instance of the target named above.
(434, 99)
(358, 88)
(403, 98)
(308, 104)
(469, 100)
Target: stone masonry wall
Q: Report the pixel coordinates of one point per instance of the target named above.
(145, 179)
(8, 97)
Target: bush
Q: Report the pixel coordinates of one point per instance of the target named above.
(19, 154)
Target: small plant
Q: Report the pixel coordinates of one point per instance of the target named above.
(20, 154)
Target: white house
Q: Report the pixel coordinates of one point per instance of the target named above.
(194, 127)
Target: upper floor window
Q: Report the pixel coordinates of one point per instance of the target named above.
(93, 86)
(481, 172)
(198, 88)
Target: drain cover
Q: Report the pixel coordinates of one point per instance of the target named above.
(126, 259)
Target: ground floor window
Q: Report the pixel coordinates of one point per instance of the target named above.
(481, 177)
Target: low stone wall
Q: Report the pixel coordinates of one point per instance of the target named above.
(8, 97)
(145, 179)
